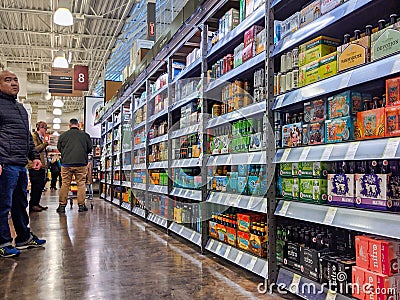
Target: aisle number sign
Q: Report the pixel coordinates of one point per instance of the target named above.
(81, 78)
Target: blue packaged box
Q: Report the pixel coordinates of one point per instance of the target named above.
(291, 135)
(241, 185)
(232, 182)
(339, 130)
(339, 105)
(243, 170)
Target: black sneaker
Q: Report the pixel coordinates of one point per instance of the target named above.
(35, 242)
(82, 208)
(9, 251)
(61, 209)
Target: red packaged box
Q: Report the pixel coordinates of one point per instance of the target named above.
(392, 121)
(384, 256)
(370, 124)
(362, 246)
(358, 279)
(393, 91)
(244, 221)
(243, 240)
(251, 33)
(248, 52)
(231, 236)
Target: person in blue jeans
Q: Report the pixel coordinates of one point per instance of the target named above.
(16, 146)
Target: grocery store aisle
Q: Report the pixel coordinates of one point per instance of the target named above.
(108, 254)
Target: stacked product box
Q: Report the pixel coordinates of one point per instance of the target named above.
(377, 263)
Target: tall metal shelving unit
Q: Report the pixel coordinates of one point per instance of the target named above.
(351, 15)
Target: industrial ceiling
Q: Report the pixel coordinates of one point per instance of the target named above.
(101, 36)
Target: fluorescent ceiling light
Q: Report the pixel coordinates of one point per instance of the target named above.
(58, 103)
(55, 133)
(63, 17)
(57, 112)
(60, 60)
(56, 121)
(56, 126)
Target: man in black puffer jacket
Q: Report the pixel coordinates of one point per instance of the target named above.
(16, 146)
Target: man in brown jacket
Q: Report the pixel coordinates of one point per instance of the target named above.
(37, 177)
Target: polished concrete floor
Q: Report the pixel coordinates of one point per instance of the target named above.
(108, 254)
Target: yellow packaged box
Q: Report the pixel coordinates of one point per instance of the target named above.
(309, 73)
(317, 48)
(354, 53)
(327, 66)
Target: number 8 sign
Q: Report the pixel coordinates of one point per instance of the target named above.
(81, 78)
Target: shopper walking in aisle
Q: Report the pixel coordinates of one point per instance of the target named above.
(74, 145)
(55, 169)
(38, 177)
(16, 145)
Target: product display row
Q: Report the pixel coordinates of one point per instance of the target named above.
(280, 156)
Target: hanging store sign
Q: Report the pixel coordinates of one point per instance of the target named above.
(61, 83)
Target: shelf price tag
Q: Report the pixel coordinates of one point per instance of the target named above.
(391, 148)
(327, 153)
(218, 247)
(238, 257)
(284, 208)
(285, 155)
(228, 250)
(330, 215)
(252, 263)
(294, 286)
(351, 151)
(330, 295)
(304, 153)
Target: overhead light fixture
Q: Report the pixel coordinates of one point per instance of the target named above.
(56, 126)
(55, 133)
(56, 121)
(58, 103)
(63, 17)
(57, 112)
(60, 61)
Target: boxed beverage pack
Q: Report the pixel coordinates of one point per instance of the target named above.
(243, 240)
(385, 42)
(341, 189)
(384, 256)
(212, 229)
(336, 271)
(316, 133)
(249, 7)
(289, 169)
(231, 19)
(231, 236)
(310, 13)
(327, 66)
(291, 135)
(370, 124)
(358, 280)
(339, 130)
(250, 35)
(290, 25)
(339, 105)
(371, 191)
(393, 91)
(292, 255)
(245, 220)
(315, 169)
(316, 49)
(310, 261)
(381, 287)
(392, 115)
(309, 73)
(362, 251)
(248, 52)
(237, 55)
(260, 42)
(328, 5)
(258, 244)
(354, 53)
(313, 190)
(314, 111)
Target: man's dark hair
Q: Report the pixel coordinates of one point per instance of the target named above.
(73, 122)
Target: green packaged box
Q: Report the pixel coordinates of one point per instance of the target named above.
(315, 169)
(290, 188)
(289, 169)
(313, 190)
(317, 48)
(385, 42)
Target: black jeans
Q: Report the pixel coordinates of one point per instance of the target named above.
(54, 176)
(37, 178)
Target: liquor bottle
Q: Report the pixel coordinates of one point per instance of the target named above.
(393, 19)
(368, 30)
(381, 24)
(357, 34)
(346, 38)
